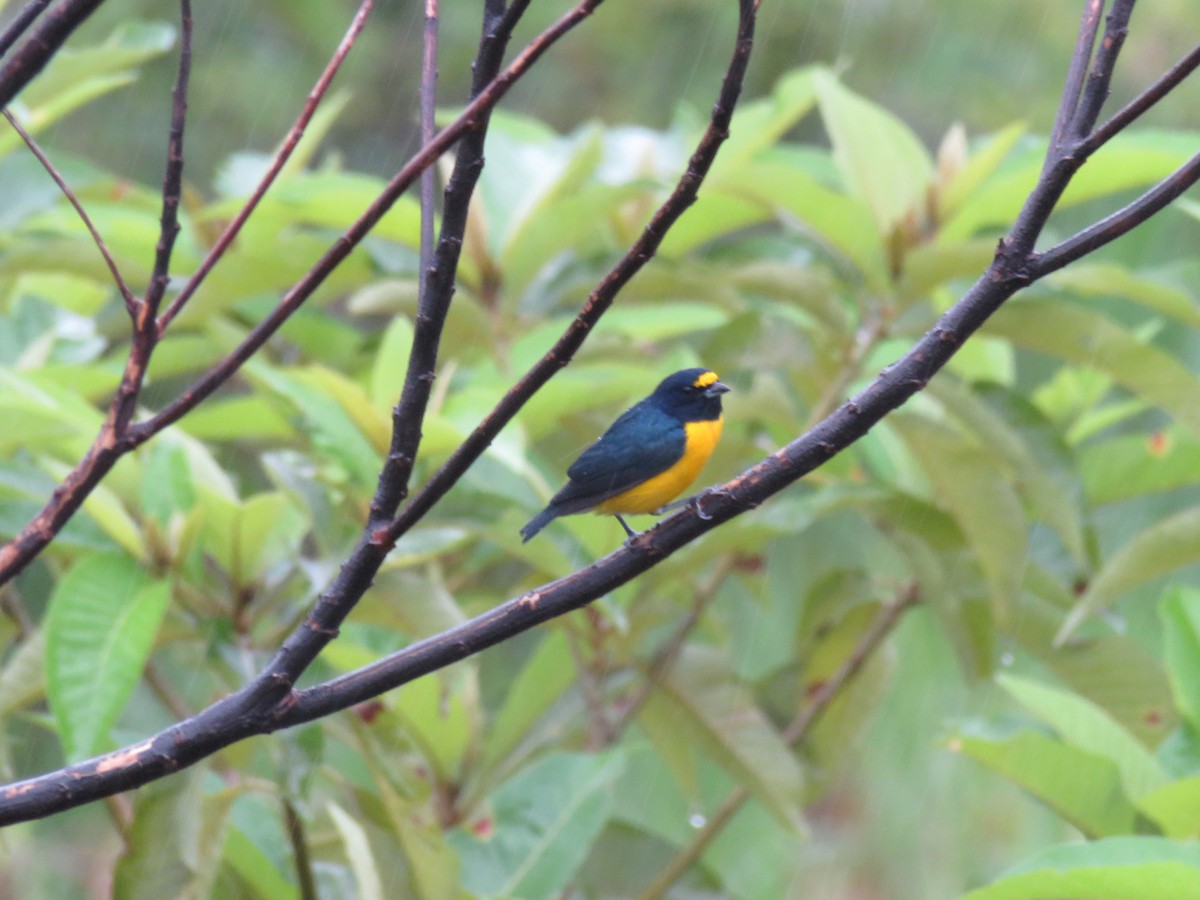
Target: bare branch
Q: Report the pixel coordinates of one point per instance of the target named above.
(52, 32)
(1132, 110)
(1089, 27)
(18, 26)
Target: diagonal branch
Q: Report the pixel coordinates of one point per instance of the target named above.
(19, 25)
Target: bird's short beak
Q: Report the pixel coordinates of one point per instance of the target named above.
(716, 389)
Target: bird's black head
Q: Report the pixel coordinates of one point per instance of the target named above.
(692, 394)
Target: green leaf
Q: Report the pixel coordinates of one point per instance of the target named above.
(104, 615)
(1087, 338)
(1133, 465)
(440, 715)
(701, 702)
(841, 224)
(1084, 725)
(545, 821)
(23, 678)
(547, 675)
(882, 161)
(1131, 160)
(760, 124)
(1081, 787)
(985, 507)
(979, 167)
(1117, 868)
(75, 76)
(1112, 280)
(391, 363)
(358, 849)
(176, 841)
(1175, 807)
(1180, 614)
(1165, 546)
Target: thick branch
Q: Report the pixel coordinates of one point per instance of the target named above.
(52, 32)
(439, 277)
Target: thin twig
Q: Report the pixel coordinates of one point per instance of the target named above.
(1144, 101)
(428, 105)
(36, 150)
(278, 161)
(1118, 223)
(1095, 91)
(795, 733)
(1089, 27)
(300, 855)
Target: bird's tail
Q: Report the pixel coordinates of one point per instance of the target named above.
(537, 523)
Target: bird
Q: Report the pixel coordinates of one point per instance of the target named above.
(647, 457)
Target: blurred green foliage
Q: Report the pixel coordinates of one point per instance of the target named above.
(1041, 495)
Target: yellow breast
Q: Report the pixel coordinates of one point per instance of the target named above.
(648, 496)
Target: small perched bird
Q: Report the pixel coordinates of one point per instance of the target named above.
(647, 457)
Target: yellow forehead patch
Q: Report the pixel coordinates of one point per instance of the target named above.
(705, 380)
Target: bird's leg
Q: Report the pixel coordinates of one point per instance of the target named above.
(629, 531)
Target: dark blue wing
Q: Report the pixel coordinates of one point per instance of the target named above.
(642, 443)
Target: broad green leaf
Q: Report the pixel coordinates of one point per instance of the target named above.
(662, 321)
(1131, 160)
(1116, 868)
(1052, 496)
(1082, 788)
(247, 418)
(1175, 807)
(547, 675)
(1084, 725)
(175, 840)
(1126, 466)
(255, 869)
(1180, 614)
(1112, 280)
(358, 850)
(23, 678)
(985, 507)
(882, 161)
(391, 363)
(545, 820)
(842, 224)
(705, 706)
(441, 716)
(1086, 338)
(432, 864)
(1160, 549)
(340, 420)
(104, 615)
(167, 486)
(718, 212)
(760, 124)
